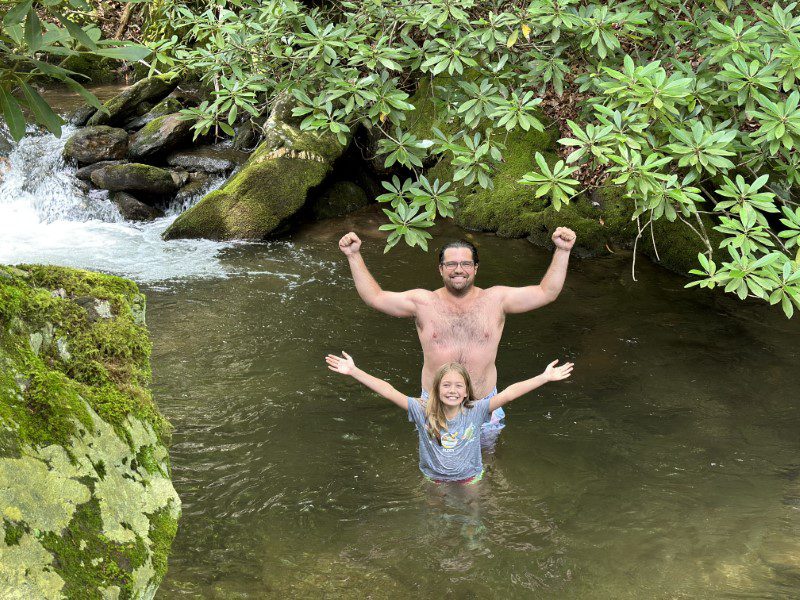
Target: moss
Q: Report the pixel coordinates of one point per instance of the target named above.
(253, 203)
(163, 527)
(13, 531)
(87, 561)
(427, 109)
(125, 103)
(108, 364)
(147, 461)
(134, 177)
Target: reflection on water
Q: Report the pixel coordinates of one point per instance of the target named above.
(667, 466)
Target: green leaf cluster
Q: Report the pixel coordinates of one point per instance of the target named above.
(36, 38)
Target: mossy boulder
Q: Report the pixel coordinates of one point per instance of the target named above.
(119, 108)
(601, 220)
(159, 135)
(270, 188)
(88, 507)
(94, 144)
(135, 177)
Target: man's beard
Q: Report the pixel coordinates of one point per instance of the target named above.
(459, 288)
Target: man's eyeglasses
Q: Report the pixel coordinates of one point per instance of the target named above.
(452, 264)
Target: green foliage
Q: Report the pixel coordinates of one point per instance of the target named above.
(687, 108)
(33, 47)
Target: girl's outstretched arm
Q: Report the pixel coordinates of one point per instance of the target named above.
(515, 390)
(346, 366)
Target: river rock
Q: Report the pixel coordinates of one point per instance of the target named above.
(81, 115)
(88, 507)
(134, 210)
(271, 187)
(211, 159)
(159, 135)
(135, 177)
(94, 144)
(85, 173)
(167, 106)
(247, 136)
(341, 198)
(191, 190)
(119, 108)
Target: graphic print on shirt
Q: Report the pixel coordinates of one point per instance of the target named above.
(469, 433)
(449, 441)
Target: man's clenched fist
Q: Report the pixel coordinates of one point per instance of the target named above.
(350, 244)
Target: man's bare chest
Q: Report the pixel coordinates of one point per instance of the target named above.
(445, 324)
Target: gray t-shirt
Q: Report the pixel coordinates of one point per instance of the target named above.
(459, 455)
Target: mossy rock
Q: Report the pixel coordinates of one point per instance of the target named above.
(123, 105)
(95, 144)
(159, 135)
(271, 187)
(511, 209)
(135, 177)
(88, 508)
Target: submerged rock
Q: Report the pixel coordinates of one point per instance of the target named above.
(123, 105)
(134, 210)
(88, 508)
(95, 144)
(159, 135)
(271, 187)
(135, 177)
(211, 159)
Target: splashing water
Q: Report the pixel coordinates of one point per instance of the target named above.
(47, 217)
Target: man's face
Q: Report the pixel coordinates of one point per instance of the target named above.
(455, 275)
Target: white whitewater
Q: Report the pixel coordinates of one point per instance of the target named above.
(46, 217)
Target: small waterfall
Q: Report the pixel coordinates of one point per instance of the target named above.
(47, 216)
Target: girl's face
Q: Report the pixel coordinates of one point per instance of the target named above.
(452, 389)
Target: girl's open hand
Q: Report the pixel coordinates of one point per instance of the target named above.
(554, 373)
(345, 365)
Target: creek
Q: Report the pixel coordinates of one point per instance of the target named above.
(666, 467)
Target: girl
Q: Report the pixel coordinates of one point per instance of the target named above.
(449, 422)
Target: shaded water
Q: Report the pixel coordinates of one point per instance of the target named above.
(667, 467)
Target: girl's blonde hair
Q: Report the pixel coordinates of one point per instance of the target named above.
(434, 408)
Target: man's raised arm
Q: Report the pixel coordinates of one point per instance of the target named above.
(523, 299)
(396, 304)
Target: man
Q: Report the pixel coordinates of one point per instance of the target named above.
(460, 322)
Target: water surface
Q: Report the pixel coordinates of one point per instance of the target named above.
(667, 467)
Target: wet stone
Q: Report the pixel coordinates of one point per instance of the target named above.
(160, 135)
(133, 177)
(133, 209)
(85, 173)
(211, 159)
(95, 144)
(81, 116)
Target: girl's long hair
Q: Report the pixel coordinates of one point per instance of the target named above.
(434, 408)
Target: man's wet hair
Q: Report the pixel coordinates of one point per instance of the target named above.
(459, 244)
